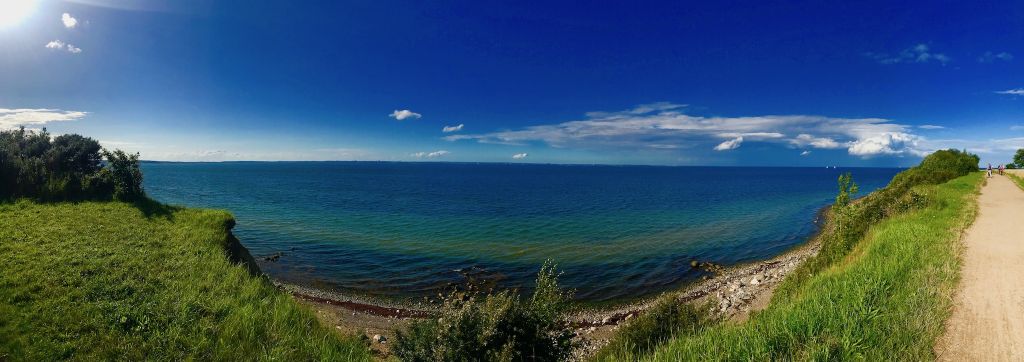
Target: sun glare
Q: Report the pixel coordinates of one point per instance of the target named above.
(12, 12)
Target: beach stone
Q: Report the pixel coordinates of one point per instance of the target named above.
(379, 338)
(755, 281)
(606, 320)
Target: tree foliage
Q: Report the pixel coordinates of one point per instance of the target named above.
(67, 167)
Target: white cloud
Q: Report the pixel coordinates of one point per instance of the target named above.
(730, 144)
(58, 45)
(805, 153)
(13, 118)
(1017, 128)
(434, 154)
(68, 20)
(667, 128)
(887, 143)
(930, 126)
(404, 114)
(990, 57)
(919, 53)
(450, 129)
(804, 140)
(1013, 92)
(519, 156)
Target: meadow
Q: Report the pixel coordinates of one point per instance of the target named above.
(143, 281)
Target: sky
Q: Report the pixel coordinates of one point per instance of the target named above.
(725, 83)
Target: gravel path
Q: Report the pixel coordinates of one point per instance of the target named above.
(988, 316)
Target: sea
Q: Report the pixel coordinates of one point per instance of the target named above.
(411, 230)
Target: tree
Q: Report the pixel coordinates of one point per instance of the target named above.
(1018, 158)
(125, 175)
(67, 167)
(847, 188)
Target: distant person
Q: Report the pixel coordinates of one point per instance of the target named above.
(1000, 169)
(988, 173)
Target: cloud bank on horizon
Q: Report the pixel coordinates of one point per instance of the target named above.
(666, 126)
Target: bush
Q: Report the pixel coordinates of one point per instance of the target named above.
(494, 327)
(1018, 158)
(66, 167)
(125, 175)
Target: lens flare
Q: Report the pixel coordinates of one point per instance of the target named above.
(12, 12)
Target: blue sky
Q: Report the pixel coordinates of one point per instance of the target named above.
(680, 83)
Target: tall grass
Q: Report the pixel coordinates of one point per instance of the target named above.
(119, 281)
(665, 320)
(879, 286)
(884, 300)
(1015, 178)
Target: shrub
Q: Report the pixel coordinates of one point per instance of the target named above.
(494, 327)
(125, 175)
(67, 167)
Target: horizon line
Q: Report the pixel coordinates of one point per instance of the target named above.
(511, 163)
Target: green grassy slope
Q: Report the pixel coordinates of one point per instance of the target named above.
(886, 300)
(98, 281)
(1015, 178)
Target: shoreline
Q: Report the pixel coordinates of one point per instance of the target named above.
(739, 289)
(588, 315)
(397, 308)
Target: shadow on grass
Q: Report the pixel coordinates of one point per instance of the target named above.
(152, 208)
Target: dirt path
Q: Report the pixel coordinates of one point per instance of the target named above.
(988, 316)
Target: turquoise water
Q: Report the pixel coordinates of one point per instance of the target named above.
(408, 230)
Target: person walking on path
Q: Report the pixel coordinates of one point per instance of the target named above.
(988, 173)
(1000, 169)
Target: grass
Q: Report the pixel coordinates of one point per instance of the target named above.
(1015, 178)
(885, 299)
(118, 281)
(665, 320)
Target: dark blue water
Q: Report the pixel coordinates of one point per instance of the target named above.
(409, 230)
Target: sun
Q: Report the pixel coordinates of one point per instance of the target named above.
(13, 12)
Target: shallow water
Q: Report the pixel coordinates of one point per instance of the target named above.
(406, 230)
